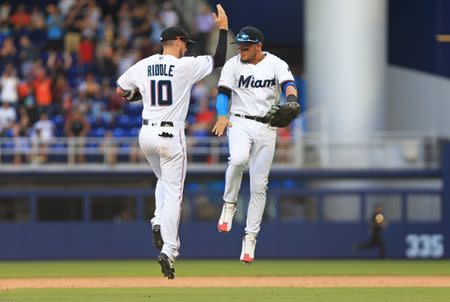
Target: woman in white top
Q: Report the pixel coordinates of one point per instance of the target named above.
(8, 86)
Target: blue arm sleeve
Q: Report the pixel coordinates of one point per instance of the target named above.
(286, 85)
(222, 104)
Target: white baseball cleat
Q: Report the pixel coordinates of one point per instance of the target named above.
(226, 217)
(248, 248)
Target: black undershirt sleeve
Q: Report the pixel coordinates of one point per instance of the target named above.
(221, 50)
(225, 91)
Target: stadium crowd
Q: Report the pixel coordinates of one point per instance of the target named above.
(59, 61)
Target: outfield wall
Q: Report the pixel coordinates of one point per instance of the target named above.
(298, 222)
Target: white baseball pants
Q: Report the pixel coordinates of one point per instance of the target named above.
(251, 143)
(167, 157)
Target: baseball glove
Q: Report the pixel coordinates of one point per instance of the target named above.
(134, 96)
(284, 115)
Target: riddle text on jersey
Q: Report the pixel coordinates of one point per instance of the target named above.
(160, 70)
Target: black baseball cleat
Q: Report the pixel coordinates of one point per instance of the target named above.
(157, 238)
(166, 266)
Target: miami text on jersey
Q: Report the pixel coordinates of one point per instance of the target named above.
(250, 80)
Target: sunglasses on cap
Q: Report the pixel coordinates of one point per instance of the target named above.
(244, 38)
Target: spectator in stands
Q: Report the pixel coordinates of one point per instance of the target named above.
(107, 30)
(42, 86)
(169, 16)
(89, 88)
(32, 111)
(5, 10)
(59, 63)
(20, 18)
(204, 119)
(106, 65)
(127, 59)
(86, 54)
(24, 89)
(42, 134)
(21, 143)
(55, 32)
(376, 240)
(135, 155)
(284, 142)
(111, 7)
(157, 29)
(37, 16)
(8, 85)
(38, 33)
(7, 118)
(27, 55)
(76, 127)
(60, 92)
(141, 21)
(73, 25)
(64, 6)
(204, 24)
(92, 15)
(8, 52)
(200, 91)
(109, 148)
(125, 29)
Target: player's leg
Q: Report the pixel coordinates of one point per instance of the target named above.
(261, 157)
(381, 247)
(173, 167)
(149, 150)
(239, 144)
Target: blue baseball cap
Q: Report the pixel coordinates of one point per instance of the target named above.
(249, 34)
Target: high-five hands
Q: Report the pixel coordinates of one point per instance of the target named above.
(221, 18)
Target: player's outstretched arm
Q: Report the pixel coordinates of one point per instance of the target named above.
(221, 21)
(222, 110)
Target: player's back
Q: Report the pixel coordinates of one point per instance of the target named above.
(165, 83)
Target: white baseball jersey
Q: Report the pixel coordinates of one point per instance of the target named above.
(254, 86)
(165, 83)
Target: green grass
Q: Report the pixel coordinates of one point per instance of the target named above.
(229, 295)
(27, 269)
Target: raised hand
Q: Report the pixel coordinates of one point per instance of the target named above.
(221, 18)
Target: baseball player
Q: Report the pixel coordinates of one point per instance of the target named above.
(164, 83)
(376, 239)
(251, 80)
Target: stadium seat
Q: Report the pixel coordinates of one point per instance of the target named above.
(123, 121)
(59, 121)
(134, 132)
(98, 132)
(137, 121)
(119, 132)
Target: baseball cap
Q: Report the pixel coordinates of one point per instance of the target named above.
(249, 34)
(175, 32)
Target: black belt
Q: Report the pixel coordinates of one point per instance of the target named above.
(261, 119)
(162, 124)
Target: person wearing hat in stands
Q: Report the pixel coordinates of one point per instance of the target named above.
(250, 80)
(163, 82)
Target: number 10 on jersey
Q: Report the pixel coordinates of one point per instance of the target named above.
(161, 93)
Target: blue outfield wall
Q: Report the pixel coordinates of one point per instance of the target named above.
(320, 238)
(202, 240)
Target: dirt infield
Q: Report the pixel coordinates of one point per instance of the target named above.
(191, 282)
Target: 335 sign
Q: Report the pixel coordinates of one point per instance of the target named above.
(424, 246)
